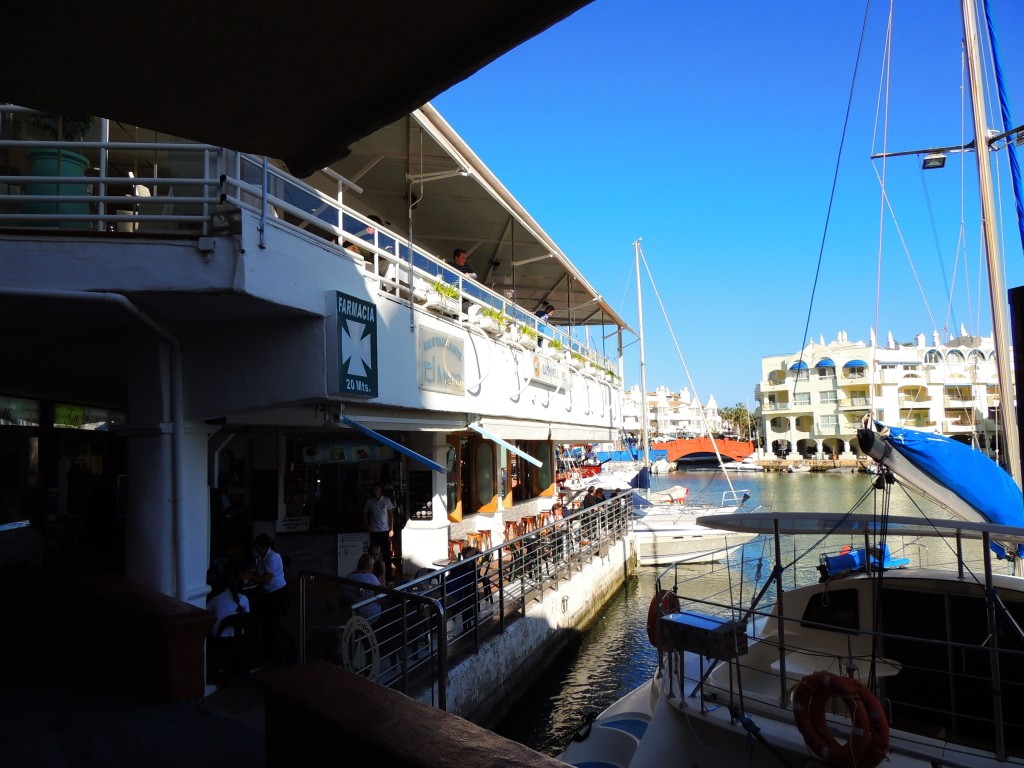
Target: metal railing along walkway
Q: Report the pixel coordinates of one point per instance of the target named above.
(408, 637)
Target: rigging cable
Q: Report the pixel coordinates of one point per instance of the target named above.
(686, 370)
(835, 180)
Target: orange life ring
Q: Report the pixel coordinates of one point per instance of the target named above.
(663, 603)
(869, 731)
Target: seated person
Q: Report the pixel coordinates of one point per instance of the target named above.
(228, 602)
(545, 313)
(377, 563)
(351, 594)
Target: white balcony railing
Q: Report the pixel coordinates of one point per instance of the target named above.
(198, 190)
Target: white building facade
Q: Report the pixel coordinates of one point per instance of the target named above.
(811, 403)
(670, 414)
(200, 346)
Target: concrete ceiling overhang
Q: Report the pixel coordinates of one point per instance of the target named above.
(297, 82)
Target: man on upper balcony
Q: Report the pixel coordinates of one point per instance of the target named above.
(460, 261)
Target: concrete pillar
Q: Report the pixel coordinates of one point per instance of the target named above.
(152, 541)
(424, 541)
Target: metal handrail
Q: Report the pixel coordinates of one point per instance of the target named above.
(429, 622)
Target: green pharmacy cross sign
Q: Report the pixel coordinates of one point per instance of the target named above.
(357, 339)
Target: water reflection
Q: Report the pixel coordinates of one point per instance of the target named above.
(614, 655)
(611, 659)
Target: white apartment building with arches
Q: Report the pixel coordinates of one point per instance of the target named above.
(670, 414)
(811, 402)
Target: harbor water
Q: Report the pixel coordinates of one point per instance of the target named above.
(613, 655)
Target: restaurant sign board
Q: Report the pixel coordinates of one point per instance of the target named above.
(439, 361)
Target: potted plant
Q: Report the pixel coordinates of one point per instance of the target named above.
(443, 297)
(527, 336)
(553, 348)
(58, 162)
(493, 321)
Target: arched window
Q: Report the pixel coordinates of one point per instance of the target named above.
(955, 357)
(976, 357)
(933, 356)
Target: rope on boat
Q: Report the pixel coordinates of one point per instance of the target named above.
(754, 732)
(588, 723)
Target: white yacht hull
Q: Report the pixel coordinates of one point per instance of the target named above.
(667, 538)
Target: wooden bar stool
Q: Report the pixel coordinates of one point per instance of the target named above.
(473, 539)
(545, 518)
(511, 529)
(455, 547)
(485, 539)
(529, 523)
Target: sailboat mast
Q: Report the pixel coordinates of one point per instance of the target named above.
(1000, 326)
(644, 436)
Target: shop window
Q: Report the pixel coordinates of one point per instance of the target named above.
(483, 466)
(544, 470)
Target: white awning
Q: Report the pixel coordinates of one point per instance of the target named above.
(582, 433)
(515, 429)
(507, 445)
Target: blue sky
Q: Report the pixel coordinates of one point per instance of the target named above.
(712, 132)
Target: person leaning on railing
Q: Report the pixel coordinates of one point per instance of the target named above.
(460, 260)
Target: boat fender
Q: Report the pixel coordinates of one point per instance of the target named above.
(663, 603)
(869, 731)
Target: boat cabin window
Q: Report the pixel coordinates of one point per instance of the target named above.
(945, 649)
(835, 610)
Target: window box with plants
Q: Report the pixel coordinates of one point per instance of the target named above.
(553, 348)
(526, 336)
(443, 298)
(492, 321)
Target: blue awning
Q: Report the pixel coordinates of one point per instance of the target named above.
(855, 364)
(825, 362)
(507, 445)
(397, 446)
(799, 365)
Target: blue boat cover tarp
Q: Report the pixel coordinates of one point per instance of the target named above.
(656, 455)
(968, 473)
(854, 560)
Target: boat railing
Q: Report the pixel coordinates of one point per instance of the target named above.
(932, 663)
(408, 637)
(117, 180)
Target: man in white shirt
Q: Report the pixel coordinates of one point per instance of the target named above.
(379, 520)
